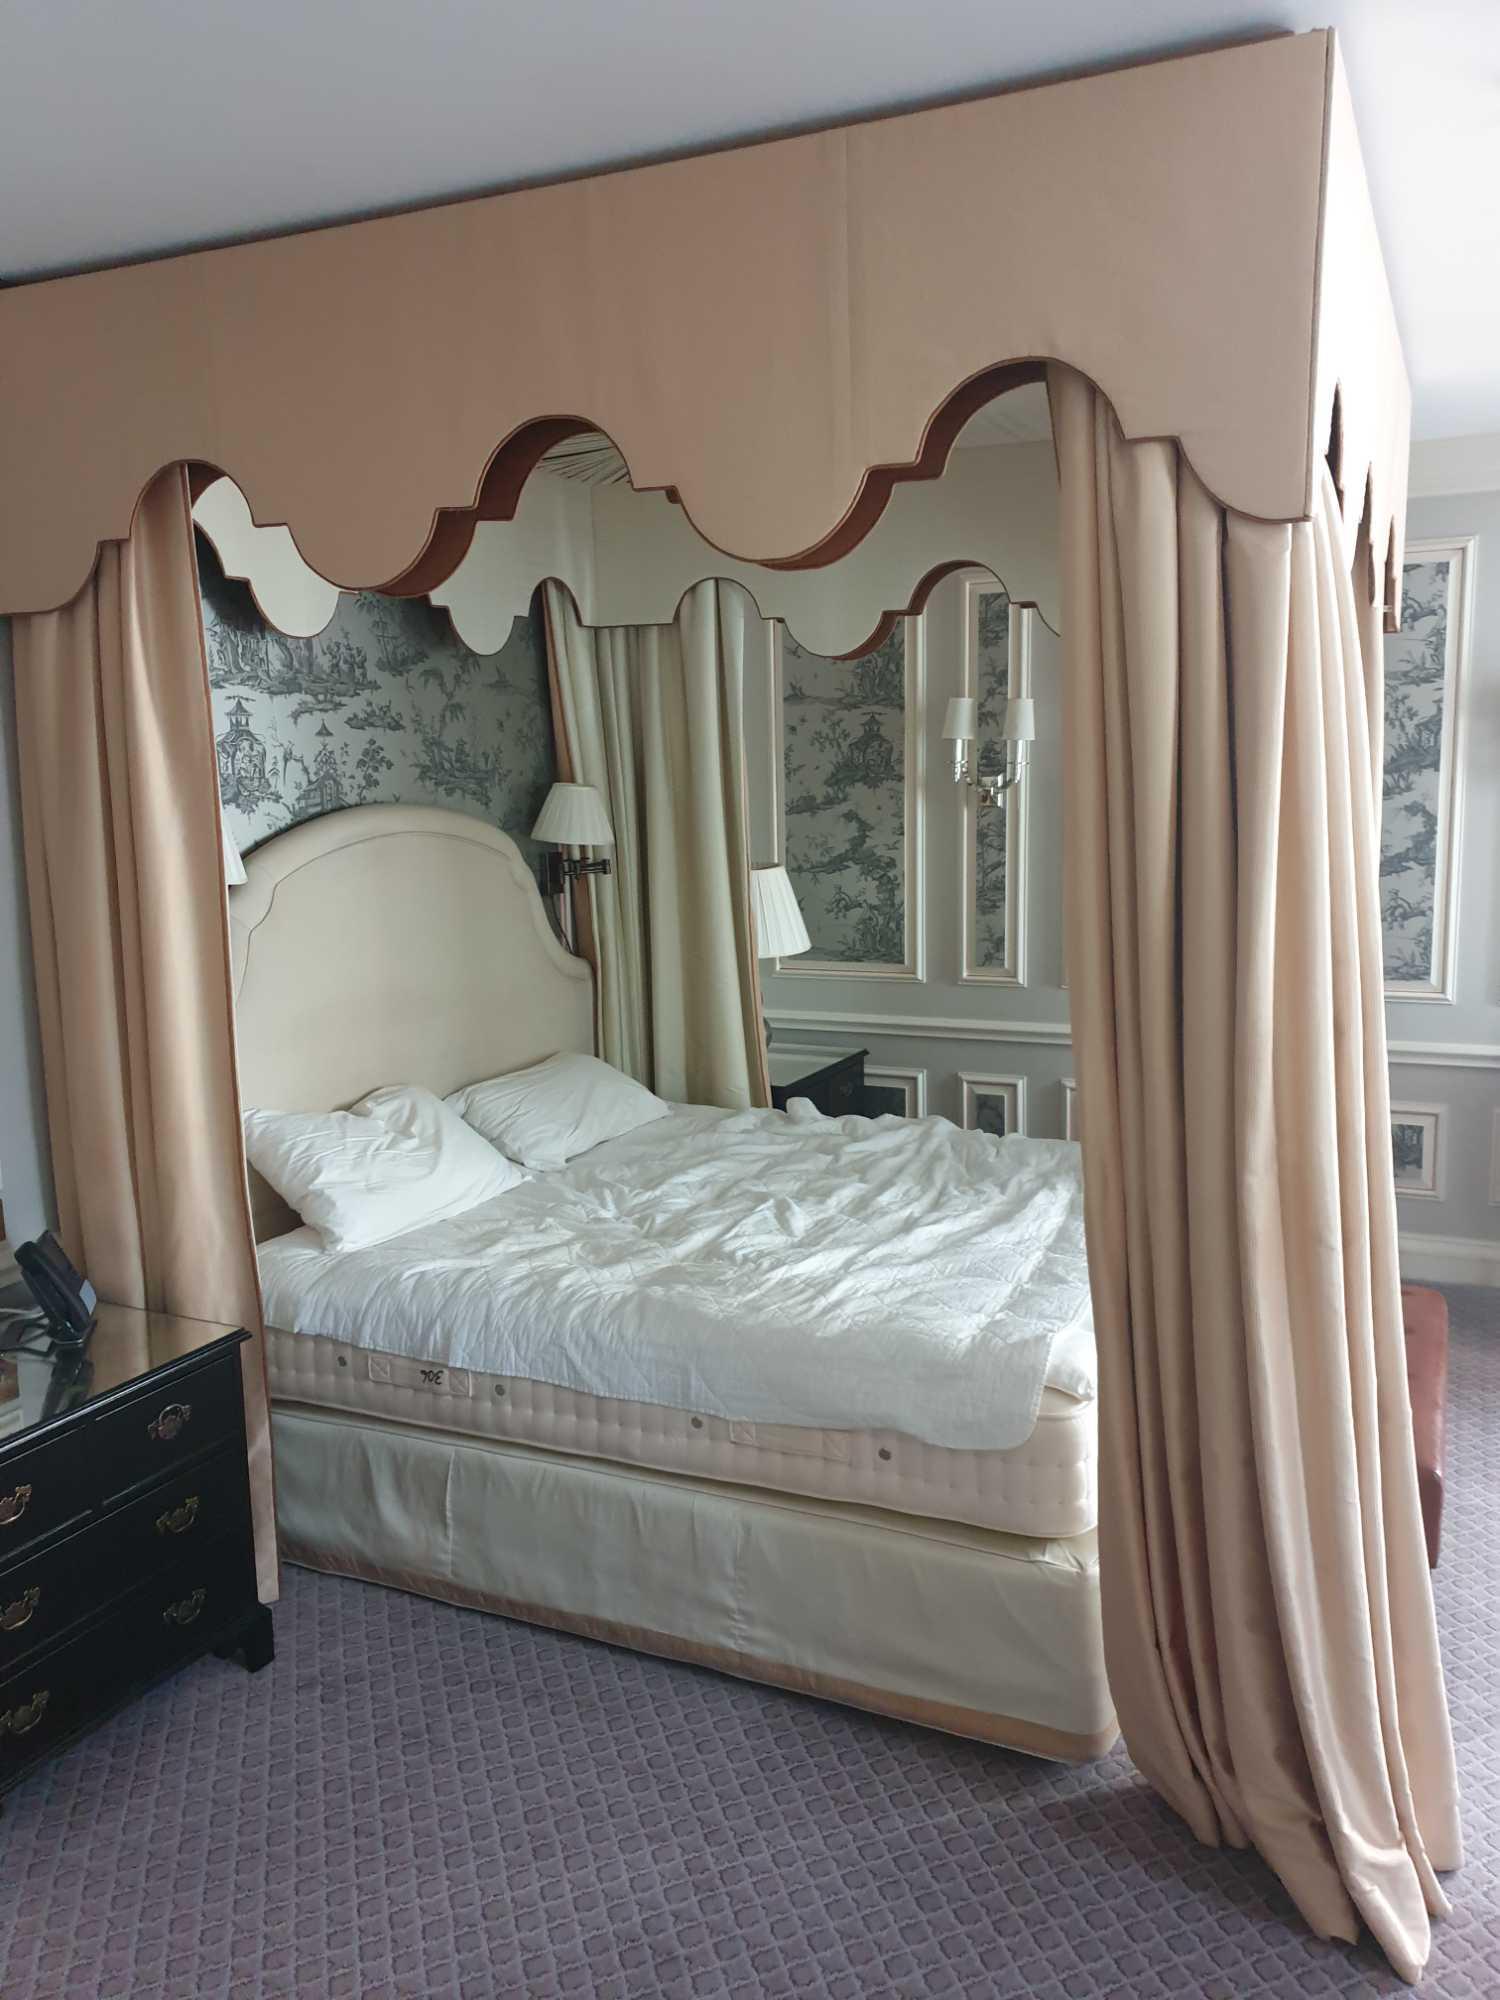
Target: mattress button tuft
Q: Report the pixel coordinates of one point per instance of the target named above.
(697, 1423)
(343, 1361)
(883, 1453)
(499, 1388)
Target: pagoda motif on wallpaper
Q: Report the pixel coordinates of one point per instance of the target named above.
(844, 765)
(384, 705)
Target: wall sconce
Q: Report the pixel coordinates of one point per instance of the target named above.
(572, 816)
(1017, 732)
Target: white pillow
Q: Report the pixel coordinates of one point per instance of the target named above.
(398, 1159)
(544, 1115)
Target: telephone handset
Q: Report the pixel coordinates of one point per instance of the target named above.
(68, 1301)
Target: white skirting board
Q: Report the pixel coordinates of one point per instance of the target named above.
(1450, 1260)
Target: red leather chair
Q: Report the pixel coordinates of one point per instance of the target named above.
(1426, 1316)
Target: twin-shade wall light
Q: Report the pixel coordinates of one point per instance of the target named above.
(1017, 734)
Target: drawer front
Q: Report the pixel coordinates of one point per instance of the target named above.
(185, 1608)
(161, 1625)
(843, 1093)
(153, 1434)
(41, 1598)
(172, 1521)
(41, 1491)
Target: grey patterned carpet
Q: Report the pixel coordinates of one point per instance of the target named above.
(418, 1801)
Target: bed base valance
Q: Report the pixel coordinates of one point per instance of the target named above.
(774, 334)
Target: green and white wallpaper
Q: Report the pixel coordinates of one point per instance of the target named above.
(385, 705)
(992, 686)
(844, 767)
(1416, 693)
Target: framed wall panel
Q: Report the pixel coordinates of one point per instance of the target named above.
(1416, 1150)
(901, 1092)
(994, 1104)
(852, 782)
(1069, 1108)
(1426, 683)
(997, 647)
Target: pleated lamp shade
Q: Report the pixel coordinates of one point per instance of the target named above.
(779, 929)
(574, 816)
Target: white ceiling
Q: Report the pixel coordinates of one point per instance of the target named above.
(133, 126)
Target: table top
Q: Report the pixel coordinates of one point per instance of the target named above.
(795, 1065)
(44, 1380)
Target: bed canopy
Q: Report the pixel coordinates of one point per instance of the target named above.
(773, 334)
(775, 337)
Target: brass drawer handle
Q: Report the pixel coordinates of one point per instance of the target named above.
(186, 1609)
(177, 1520)
(19, 1720)
(15, 1615)
(169, 1422)
(14, 1505)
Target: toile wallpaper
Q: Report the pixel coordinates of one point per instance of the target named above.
(992, 686)
(844, 736)
(384, 706)
(1416, 660)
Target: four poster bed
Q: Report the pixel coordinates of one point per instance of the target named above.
(515, 1408)
(775, 335)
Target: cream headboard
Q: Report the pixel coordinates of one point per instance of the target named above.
(393, 944)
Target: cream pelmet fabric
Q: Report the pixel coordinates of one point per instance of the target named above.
(653, 716)
(120, 816)
(1268, 1611)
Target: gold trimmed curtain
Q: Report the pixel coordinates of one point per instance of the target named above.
(653, 717)
(1267, 1604)
(129, 928)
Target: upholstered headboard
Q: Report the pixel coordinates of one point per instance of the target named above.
(392, 944)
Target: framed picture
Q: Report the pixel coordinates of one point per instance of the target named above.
(1415, 1132)
(852, 757)
(997, 653)
(899, 1093)
(994, 1104)
(1070, 1108)
(1426, 682)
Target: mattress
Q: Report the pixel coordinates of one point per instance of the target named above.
(985, 1635)
(1044, 1486)
(891, 1312)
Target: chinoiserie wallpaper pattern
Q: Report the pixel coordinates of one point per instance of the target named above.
(1415, 691)
(992, 686)
(844, 737)
(385, 705)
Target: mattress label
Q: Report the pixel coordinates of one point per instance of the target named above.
(397, 1372)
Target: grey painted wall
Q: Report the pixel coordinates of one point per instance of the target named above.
(384, 705)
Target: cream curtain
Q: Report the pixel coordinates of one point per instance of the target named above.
(653, 715)
(1267, 1604)
(129, 927)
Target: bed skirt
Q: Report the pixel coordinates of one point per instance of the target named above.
(962, 1629)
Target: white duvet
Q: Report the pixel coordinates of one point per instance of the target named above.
(858, 1274)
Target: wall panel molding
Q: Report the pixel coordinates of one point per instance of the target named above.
(1450, 1260)
(946, 1028)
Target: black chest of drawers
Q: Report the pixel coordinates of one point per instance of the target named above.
(833, 1081)
(125, 1539)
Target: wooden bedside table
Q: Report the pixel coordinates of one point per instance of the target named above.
(833, 1080)
(125, 1541)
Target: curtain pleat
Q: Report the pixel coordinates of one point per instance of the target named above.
(1267, 1604)
(654, 718)
(129, 927)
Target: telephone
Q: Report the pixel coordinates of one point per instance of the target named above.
(67, 1299)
